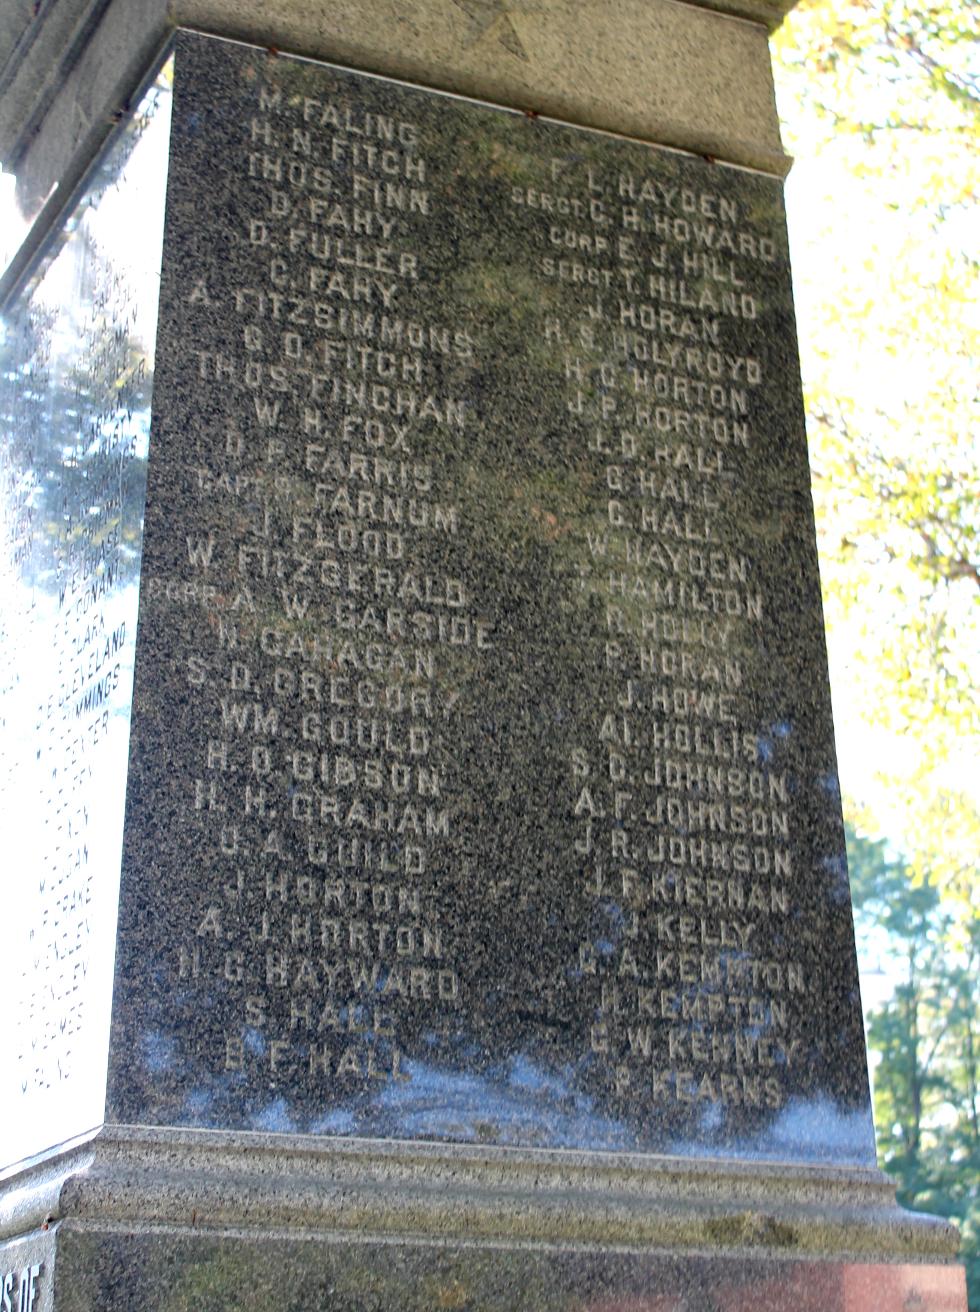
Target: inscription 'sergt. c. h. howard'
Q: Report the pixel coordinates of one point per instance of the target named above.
(482, 779)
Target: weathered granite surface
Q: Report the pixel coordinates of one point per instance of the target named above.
(165, 1219)
(160, 1272)
(482, 784)
(685, 75)
(481, 799)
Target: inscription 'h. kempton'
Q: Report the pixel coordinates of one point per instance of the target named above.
(482, 771)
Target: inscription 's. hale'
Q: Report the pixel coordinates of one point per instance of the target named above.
(485, 721)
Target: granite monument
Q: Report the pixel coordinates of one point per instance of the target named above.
(483, 932)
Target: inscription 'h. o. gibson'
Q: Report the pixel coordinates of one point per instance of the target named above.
(486, 741)
(328, 709)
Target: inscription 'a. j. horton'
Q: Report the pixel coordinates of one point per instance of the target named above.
(482, 780)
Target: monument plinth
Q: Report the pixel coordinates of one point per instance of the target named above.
(483, 931)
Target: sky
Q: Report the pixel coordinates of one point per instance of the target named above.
(882, 230)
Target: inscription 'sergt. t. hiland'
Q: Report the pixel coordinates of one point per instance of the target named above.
(483, 784)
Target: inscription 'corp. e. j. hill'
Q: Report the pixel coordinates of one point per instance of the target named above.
(482, 780)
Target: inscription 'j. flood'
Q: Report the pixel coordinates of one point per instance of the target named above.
(482, 778)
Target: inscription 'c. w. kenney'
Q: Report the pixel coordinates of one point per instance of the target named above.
(482, 777)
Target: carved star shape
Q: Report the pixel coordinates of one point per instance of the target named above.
(494, 16)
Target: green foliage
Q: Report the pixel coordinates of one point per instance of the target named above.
(883, 98)
(925, 1044)
(875, 66)
(881, 107)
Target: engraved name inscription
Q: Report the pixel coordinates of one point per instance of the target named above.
(682, 812)
(20, 1288)
(71, 483)
(480, 798)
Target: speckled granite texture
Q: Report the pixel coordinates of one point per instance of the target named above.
(163, 1273)
(655, 69)
(167, 1219)
(482, 782)
(484, 933)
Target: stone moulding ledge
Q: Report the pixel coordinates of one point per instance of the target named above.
(691, 76)
(725, 146)
(224, 1183)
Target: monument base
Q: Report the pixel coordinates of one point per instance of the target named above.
(156, 1220)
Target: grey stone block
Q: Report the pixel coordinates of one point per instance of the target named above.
(682, 75)
(149, 1220)
(484, 933)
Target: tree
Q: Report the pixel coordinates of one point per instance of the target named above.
(885, 101)
(924, 1042)
(881, 107)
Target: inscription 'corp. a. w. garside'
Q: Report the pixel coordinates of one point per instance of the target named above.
(483, 784)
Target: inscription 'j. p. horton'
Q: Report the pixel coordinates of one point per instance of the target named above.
(482, 773)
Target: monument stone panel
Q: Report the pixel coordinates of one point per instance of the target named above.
(357, 1277)
(76, 374)
(482, 783)
(480, 797)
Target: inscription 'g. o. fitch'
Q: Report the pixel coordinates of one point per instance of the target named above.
(474, 518)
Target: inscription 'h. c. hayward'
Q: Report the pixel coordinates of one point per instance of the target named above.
(469, 543)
